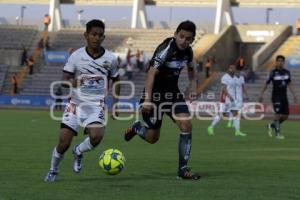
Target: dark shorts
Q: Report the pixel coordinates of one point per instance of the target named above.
(170, 107)
(281, 106)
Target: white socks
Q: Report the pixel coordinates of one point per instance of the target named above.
(230, 117)
(84, 146)
(216, 120)
(56, 158)
(236, 123)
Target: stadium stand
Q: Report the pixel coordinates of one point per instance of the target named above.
(117, 40)
(14, 36)
(3, 71)
(290, 47)
(13, 39)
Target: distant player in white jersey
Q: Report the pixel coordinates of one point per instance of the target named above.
(228, 103)
(87, 71)
(240, 93)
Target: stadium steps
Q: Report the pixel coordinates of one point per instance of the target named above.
(290, 47)
(7, 87)
(117, 40)
(39, 83)
(16, 36)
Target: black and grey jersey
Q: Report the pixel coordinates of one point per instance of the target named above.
(280, 79)
(169, 60)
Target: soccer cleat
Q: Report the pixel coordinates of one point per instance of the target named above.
(131, 131)
(270, 129)
(239, 133)
(187, 174)
(77, 165)
(280, 137)
(229, 124)
(51, 176)
(210, 130)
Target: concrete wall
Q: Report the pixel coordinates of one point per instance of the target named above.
(224, 50)
(258, 33)
(228, 43)
(261, 56)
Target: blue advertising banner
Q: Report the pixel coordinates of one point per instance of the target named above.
(293, 61)
(26, 101)
(47, 101)
(56, 56)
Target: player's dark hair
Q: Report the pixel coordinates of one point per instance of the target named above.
(94, 23)
(187, 26)
(280, 57)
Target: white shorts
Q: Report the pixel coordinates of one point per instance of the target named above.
(224, 107)
(237, 106)
(75, 116)
(230, 106)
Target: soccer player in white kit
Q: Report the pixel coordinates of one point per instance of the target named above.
(229, 104)
(87, 70)
(240, 91)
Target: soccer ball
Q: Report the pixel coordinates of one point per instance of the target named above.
(112, 161)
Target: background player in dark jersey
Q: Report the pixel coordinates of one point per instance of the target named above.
(281, 79)
(162, 95)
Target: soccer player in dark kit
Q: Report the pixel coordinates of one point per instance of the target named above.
(162, 95)
(281, 80)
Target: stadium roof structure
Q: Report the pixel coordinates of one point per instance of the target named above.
(223, 8)
(196, 3)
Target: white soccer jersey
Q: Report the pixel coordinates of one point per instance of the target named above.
(91, 74)
(229, 81)
(239, 82)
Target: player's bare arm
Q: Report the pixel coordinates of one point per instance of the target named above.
(260, 98)
(69, 77)
(291, 88)
(225, 92)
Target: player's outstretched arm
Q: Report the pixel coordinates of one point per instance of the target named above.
(68, 77)
(291, 88)
(225, 92)
(260, 98)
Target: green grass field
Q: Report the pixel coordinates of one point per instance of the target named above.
(255, 167)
